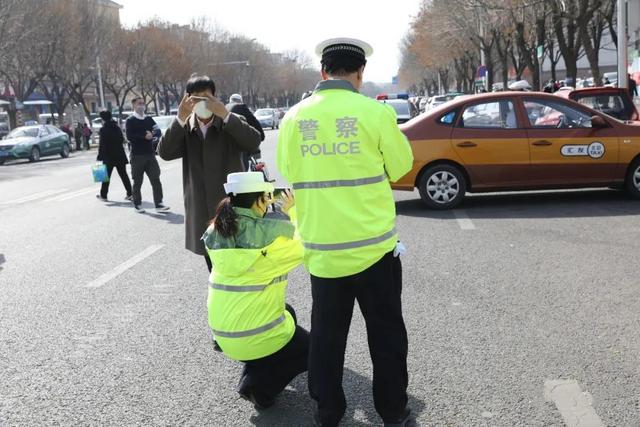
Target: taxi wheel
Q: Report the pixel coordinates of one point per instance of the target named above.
(65, 151)
(35, 154)
(442, 187)
(633, 179)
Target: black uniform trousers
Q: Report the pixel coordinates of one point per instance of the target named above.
(378, 292)
(122, 171)
(269, 375)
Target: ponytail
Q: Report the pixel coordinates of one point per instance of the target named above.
(225, 220)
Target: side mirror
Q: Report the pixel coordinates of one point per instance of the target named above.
(598, 122)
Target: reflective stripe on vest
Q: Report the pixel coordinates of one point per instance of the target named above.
(250, 332)
(246, 288)
(349, 245)
(339, 183)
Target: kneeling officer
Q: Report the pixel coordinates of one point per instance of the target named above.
(251, 256)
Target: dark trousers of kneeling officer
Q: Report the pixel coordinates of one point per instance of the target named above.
(251, 256)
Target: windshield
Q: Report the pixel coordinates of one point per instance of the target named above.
(22, 132)
(401, 107)
(264, 112)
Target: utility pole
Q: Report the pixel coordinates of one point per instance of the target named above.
(100, 89)
(622, 44)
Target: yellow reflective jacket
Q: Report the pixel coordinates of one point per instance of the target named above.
(339, 150)
(246, 301)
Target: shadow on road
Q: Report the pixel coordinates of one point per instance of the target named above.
(2, 261)
(564, 204)
(295, 407)
(170, 217)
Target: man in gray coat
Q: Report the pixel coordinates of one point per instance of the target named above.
(210, 140)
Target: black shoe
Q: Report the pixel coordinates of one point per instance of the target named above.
(245, 391)
(139, 209)
(99, 197)
(162, 208)
(129, 198)
(405, 420)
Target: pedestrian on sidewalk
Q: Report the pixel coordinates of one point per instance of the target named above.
(111, 153)
(248, 315)
(346, 217)
(140, 131)
(209, 139)
(237, 106)
(78, 136)
(86, 135)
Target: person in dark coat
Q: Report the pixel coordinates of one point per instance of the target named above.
(209, 139)
(78, 136)
(237, 106)
(111, 153)
(86, 134)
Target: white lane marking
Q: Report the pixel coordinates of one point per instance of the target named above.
(124, 267)
(463, 219)
(71, 195)
(574, 405)
(35, 196)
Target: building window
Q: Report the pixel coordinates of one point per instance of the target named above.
(93, 107)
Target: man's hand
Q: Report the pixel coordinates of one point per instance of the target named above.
(186, 107)
(217, 107)
(148, 136)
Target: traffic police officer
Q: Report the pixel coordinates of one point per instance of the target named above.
(339, 150)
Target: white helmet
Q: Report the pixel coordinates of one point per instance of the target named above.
(247, 182)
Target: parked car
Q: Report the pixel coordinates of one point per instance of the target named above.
(34, 142)
(616, 102)
(517, 141)
(268, 117)
(4, 129)
(612, 77)
(405, 110)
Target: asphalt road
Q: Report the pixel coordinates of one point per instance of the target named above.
(501, 297)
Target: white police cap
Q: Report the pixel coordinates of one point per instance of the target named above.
(247, 182)
(344, 44)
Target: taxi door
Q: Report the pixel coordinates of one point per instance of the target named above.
(565, 149)
(492, 143)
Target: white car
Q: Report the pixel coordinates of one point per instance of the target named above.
(268, 118)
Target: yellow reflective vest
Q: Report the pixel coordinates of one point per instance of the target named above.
(246, 302)
(339, 150)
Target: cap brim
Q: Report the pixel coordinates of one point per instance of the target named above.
(250, 187)
(368, 50)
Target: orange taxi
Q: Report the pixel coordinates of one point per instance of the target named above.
(510, 141)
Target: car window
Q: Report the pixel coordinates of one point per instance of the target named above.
(23, 132)
(448, 118)
(612, 105)
(44, 131)
(489, 115)
(401, 107)
(544, 113)
(52, 130)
